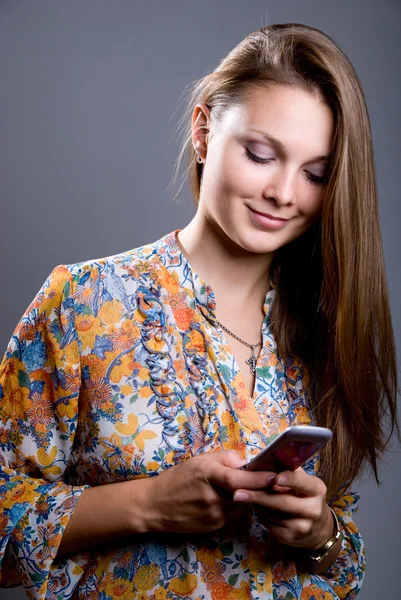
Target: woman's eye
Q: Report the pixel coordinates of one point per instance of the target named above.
(257, 159)
(317, 179)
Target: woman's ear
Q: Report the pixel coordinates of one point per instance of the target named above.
(201, 128)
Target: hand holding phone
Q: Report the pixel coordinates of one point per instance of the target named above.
(290, 449)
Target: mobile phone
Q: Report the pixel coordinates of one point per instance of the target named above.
(290, 449)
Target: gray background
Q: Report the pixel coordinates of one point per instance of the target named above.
(90, 97)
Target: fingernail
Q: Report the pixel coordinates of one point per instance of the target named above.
(270, 479)
(240, 496)
(281, 480)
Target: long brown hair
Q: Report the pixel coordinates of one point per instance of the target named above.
(331, 308)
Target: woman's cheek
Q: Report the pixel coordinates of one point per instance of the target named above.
(244, 181)
(312, 210)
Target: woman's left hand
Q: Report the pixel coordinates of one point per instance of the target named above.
(293, 509)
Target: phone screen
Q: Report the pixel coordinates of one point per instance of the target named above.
(293, 454)
(290, 455)
(290, 449)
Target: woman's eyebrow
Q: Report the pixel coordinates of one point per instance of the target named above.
(281, 148)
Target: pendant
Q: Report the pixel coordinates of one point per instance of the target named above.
(252, 362)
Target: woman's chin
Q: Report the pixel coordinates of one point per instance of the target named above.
(259, 242)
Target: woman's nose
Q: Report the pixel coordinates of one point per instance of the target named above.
(280, 186)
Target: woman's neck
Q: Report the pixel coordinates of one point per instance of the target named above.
(238, 278)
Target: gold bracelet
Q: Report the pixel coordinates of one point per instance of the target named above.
(317, 556)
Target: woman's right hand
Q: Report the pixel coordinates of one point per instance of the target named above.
(192, 496)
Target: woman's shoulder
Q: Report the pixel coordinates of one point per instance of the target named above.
(126, 260)
(98, 279)
(114, 276)
(122, 265)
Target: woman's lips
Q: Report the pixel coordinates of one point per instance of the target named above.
(267, 221)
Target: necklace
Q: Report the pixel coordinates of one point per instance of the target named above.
(252, 359)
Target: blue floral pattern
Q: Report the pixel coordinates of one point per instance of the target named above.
(119, 370)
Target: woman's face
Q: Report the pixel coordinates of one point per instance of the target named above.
(261, 193)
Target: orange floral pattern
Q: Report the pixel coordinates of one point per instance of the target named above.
(118, 370)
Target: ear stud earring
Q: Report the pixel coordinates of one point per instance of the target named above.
(198, 156)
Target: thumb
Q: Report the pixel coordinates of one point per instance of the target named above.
(232, 459)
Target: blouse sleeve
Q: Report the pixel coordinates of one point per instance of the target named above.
(347, 572)
(343, 580)
(39, 388)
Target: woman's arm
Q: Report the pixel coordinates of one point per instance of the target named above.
(104, 513)
(39, 388)
(183, 499)
(346, 574)
(298, 517)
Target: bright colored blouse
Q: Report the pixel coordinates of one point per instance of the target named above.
(118, 370)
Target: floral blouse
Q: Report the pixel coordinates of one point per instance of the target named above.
(118, 370)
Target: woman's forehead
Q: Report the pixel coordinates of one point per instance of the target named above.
(283, 116)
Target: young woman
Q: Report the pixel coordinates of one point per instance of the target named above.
(135, 386)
